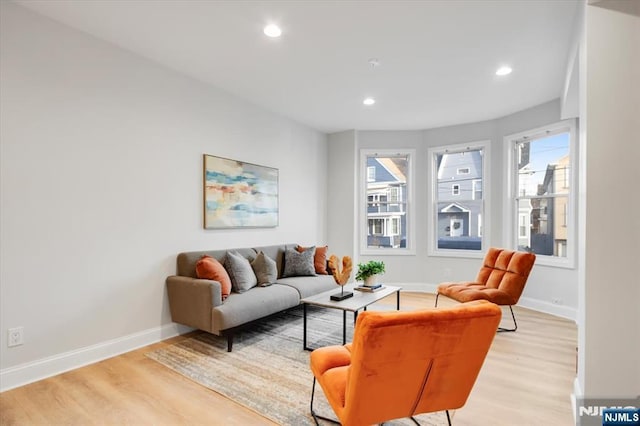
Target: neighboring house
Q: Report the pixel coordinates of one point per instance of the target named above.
(460, 200)
(549, 214)
(386, 202)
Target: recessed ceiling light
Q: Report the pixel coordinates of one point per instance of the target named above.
(272, 30)
(369, 101)
(504, 71)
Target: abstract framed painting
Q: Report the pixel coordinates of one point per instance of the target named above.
(239, 194)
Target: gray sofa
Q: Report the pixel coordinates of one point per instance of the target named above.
(198, 303)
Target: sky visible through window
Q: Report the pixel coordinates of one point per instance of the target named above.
(545, 151)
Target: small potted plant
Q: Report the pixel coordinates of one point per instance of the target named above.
(369, 271)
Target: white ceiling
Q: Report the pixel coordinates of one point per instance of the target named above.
(438, 58)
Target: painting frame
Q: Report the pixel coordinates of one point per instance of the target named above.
(238, 194)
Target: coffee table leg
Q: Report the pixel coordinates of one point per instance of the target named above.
(304, 327)
(344, 327)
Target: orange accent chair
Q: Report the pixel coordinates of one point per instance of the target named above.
(401, 364)
(501, 280)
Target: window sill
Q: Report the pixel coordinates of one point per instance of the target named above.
(463, 254)
(555, 262)
(387, 252)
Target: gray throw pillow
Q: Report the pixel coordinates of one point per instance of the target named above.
(299, 264)
(265, 269)
(240, 272)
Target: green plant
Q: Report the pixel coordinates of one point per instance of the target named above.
(372, 267)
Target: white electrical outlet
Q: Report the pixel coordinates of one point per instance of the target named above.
(15, 336)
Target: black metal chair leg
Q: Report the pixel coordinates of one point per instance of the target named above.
(313, 413)
(501, 329)
(448, 418)
(437, 295)
(313, 391)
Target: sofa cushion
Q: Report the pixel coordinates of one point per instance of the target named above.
(309, 286)
(209, 268)
(299, 264)
(254, 304)
(186, 262)
(265, 269)
(319, 259)
(240, 272)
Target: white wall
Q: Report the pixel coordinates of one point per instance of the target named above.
(423, 272)
(609, 318)
(341, 190)
(101, 186)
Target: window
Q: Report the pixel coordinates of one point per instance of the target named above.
(457, 199)
(371, 174)
(387, 213)
(376, 226)
(395, 226)
(541, 202)
(523, 227)
(394, 194)
(477, 189)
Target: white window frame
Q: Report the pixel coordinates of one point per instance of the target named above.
(526, 229)
(394, 222)
(371, 174)
(455, 189)
(394, 196)
(510, 213)
(474, 185)
(410, 249)
(432, 190)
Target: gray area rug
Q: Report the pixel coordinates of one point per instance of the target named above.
(268, 371)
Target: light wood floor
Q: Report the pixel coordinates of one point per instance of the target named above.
(526, 380)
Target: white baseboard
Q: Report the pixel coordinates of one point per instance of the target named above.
(526, 302)
(549, 308)
(577, 394)
(30, 372)
(417, 287)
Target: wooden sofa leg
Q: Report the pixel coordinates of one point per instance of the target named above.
(229, 342)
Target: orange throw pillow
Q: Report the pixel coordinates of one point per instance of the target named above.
(319, 260)
(210, 269)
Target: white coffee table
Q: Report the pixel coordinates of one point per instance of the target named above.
(360, 300)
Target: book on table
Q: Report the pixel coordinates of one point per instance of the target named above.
(370, 289)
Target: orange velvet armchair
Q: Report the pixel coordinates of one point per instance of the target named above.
(401, 364)
(501, 280)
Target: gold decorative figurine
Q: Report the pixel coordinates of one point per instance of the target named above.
(341, 276)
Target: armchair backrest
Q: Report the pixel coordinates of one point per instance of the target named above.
(407, 363)
(506, 270)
